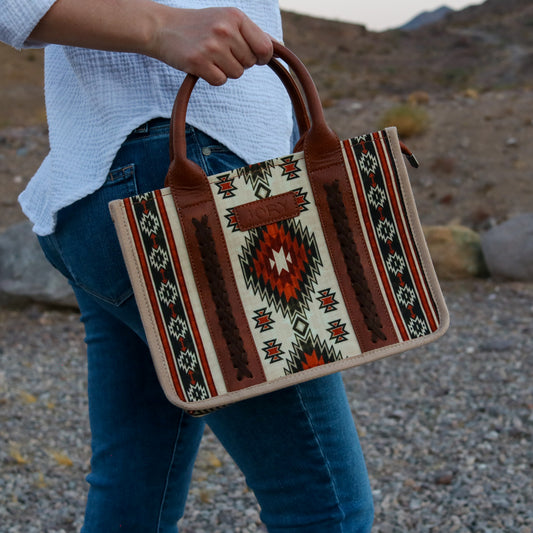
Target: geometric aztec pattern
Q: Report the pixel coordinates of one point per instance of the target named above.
(280, 262)
(327, 300)
(281, 265)
(273, 351)
(161, 269)
(284, 273)
(263, 319)
(309, 352)
(377, 184)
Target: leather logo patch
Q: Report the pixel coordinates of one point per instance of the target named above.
(267, 211)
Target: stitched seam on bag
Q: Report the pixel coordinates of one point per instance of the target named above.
(219, 293)
(353, 261)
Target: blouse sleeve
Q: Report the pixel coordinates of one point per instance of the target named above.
(18, 18)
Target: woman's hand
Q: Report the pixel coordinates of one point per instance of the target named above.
(213, 43)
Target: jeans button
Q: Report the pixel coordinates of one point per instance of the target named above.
(206, 150)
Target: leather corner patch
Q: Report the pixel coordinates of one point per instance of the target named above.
(267, 211)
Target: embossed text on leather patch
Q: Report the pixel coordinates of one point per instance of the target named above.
(267, 211)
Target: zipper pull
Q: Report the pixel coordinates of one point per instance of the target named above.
(409, 155)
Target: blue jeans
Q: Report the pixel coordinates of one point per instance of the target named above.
(298, 448)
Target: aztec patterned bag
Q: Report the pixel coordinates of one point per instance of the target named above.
(283, 271)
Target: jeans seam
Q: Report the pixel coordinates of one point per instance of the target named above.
(323, 455)
(59, 250)
(202, 161)
(169, 472)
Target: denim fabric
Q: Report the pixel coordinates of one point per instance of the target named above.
(298, 448)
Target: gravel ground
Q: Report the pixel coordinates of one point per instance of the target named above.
(446, 429)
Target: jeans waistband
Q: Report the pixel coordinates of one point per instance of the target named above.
(151, 124)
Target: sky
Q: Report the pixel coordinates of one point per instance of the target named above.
(376, 15)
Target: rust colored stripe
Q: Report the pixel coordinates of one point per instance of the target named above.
(219, 293)
(420, 286)
(153, 298)
(353, 262)
(428, 304)
(185, 294)
(371, 237)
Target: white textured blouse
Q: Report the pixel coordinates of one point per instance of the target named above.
(94, 99)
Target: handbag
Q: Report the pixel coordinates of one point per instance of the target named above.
(270, 275)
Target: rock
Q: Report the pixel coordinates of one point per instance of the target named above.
(444, 478)
(26, 275)
(497, 345)
(456, 252)
(508, 249)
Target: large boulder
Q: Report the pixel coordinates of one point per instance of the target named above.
(456, 252)
(26, 275)
(508, 249)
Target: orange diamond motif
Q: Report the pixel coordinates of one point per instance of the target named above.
(281, 262)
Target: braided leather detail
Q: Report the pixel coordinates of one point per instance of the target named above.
(353, 261)
(219, 293)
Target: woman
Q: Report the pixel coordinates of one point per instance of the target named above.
(112, 70)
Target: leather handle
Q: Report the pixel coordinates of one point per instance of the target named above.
(188, 181)
(302, 118)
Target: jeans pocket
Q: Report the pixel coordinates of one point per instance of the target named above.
(124, 175)
(85, 246)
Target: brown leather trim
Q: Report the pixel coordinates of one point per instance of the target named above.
(231, 374)
(323, 173)
(352, 260)
(267, 211)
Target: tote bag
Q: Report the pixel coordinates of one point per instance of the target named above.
(283, 271)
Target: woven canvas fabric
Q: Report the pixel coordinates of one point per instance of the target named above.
(381, 196)
(284, 272)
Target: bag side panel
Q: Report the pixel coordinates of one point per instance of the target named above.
(172, 320)
(381, 184)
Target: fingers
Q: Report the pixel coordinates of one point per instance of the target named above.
(259, 42)
(213, 43)
(217, 64)
(241, 44)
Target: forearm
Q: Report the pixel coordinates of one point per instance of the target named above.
(213, 43)
(113, 25)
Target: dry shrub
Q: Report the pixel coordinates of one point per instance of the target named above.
(418, 98)
(410, 120)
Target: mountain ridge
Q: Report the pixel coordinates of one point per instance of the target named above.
(485, 47)
(426, 17)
